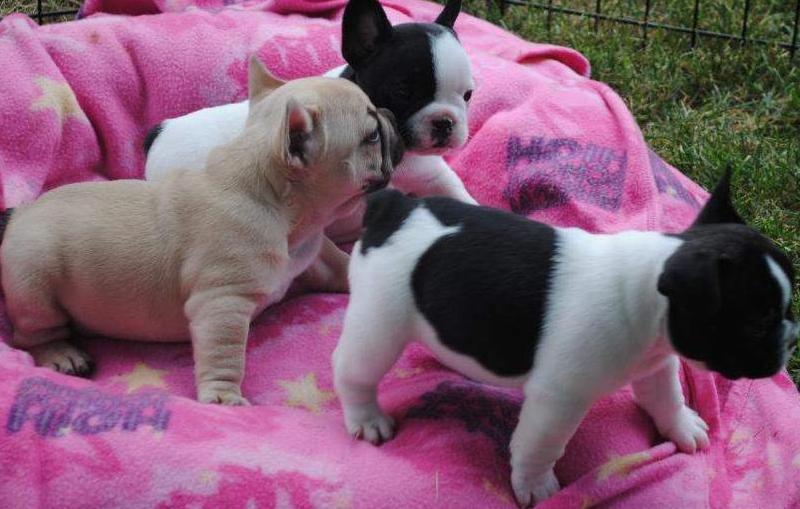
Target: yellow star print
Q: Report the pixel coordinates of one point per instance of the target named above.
(342, 501)
(207, 477)
(406, 373)
(59, 97)
(621, 465)
(305, 393)
(143, 375)
(490, 487)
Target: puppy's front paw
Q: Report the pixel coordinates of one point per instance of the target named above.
(530, 490)
(221, 396)
(688, 431)
(370, 424)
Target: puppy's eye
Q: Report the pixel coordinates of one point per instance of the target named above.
(373, 138)
(467, 96)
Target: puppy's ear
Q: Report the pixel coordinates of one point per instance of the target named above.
(301, 145)
(448, 16)
(719, 207)
(259, 80)
(364, 27)
(691, 279)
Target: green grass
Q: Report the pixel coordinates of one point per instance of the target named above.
(29, 7)
(700, 109)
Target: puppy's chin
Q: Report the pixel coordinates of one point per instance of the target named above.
(696, 364)
(429, 147)
(348, 207)
(750, 372)
(430, 151)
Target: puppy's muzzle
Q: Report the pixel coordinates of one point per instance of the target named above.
(441, 129)
(376, 185)
(392, 149)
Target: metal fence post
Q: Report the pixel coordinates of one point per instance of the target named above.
(695, 17)
(793, 48)
(646, 23)
(744, 20)
(597, 12)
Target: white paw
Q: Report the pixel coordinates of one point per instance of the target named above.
(529, 491)
(369, 424)
(688, 431)
(221, 396)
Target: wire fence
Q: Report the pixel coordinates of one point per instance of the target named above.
(693, 30)
(42, 15)
(49, 11)
(42, 11)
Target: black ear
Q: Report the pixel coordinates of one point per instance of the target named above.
(364, 27)
(448, 16)
(691, 278)
(719, 208)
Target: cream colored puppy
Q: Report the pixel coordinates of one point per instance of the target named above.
(199, 254)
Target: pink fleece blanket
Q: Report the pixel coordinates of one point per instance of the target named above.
(546, 141)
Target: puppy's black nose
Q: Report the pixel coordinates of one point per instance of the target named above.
(442, 127)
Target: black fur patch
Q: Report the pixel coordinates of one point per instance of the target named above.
(5, 217)
(386, 211)
(400, 76)
(484, 289)
(393, 65)
(152, 134)
(725, 306)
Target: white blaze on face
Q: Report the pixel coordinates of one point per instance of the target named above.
(453, 75)
(782, 279)
(790, 329)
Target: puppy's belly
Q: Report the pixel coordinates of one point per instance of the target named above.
(459, 362)
(128, 320)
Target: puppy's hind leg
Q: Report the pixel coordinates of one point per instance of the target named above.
(373, 337)
(41, 327)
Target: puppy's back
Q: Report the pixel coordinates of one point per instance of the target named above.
(85, 232)
(479, 276)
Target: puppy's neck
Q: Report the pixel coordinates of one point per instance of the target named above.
(628, 265)
(250, 166)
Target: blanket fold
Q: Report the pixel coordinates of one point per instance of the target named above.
(546, 141)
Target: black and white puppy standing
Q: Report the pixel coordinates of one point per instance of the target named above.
(418, 71)
(567, 315)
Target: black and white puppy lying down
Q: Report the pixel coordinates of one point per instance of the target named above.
(567, 315)
(418, 71)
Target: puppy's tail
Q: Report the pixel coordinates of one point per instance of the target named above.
(5, 217)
